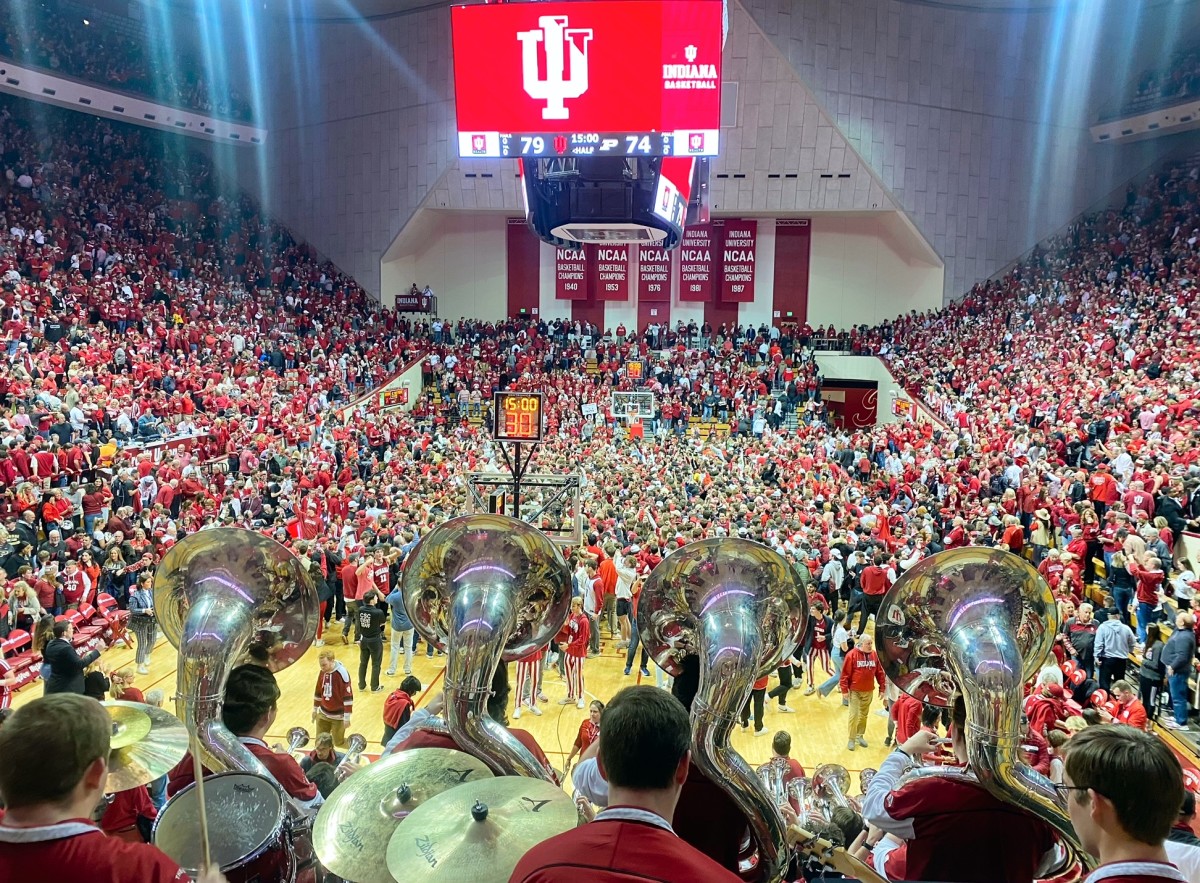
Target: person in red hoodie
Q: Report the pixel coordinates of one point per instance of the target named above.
(398, 707)
(861, 671)
(906, 712)
(1149, 575)
(1045, 709)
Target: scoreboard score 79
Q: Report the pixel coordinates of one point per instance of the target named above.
(517, 416)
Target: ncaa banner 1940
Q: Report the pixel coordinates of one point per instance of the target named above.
(570, 274)
(696, 264)
(654, 274)
(739, 249)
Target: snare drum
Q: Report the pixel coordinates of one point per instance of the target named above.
(247, 832)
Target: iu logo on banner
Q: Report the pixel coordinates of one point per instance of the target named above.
(562, 46)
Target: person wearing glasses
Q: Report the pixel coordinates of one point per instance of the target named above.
(1109, 772)
(948, 829)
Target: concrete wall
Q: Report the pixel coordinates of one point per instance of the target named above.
(976, 120)
(462, 256)
(868, 270)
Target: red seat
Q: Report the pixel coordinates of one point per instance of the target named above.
(16, 641)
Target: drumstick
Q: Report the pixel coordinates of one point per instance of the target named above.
(198, 772)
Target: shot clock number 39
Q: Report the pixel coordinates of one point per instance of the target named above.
(517, 417)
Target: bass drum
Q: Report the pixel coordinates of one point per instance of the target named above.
(247, 830)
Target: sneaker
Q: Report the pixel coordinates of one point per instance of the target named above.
(846, 702)
(566, 700)
(318, 643)
(850, 745)
(862, 742)
(784, 709)
(645, 672)
(887, 740)
(579, 704)
(391, 672)
(542, 697)
(626, 672)
(362, 687)
(812, 690)
(407, 672)
(534, 710)
(761, 732)
(517, 713)
(378, 689)
(592, 654)
(622, 645)
(745, 725)
(143, 669)
(1170, 724)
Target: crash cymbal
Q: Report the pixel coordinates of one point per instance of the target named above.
(146, 743)
(478, 831)
(354, 825)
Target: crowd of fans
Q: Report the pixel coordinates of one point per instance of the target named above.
(142, 304)
(1177, 80)
(57, 36)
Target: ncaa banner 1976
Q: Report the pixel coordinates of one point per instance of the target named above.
(654, 274)
(610, 268)
(696, 264)
(738, 252)
(570, 274)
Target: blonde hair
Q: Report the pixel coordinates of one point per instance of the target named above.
(326, 654)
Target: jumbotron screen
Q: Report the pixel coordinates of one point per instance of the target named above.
(592, 78)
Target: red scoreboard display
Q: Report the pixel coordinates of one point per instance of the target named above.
(517, 416)
(595, 78)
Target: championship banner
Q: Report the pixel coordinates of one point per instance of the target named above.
(738, 254)
(654, 274)
(610, 266)
(570, 274)
(696, 264)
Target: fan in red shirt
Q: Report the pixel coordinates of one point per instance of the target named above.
(574, 638)
(589, 731)
(55, 752)
(1130, 709)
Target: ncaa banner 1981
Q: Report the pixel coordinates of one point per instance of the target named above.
(696, 264)
(654, 274)
(570, 274)
(739, 250)
(610, 269)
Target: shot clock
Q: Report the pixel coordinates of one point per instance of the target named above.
(517, 416)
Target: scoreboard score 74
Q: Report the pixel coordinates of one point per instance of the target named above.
(517, 416)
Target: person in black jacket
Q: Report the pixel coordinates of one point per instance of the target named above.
(1177, 659)
(66, 665)
(1169, 507)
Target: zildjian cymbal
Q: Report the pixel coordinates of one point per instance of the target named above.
(478, 831)
(146, 743)
(355, 823)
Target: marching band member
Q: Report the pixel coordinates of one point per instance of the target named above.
(251, 703)
(55, 752)
(949, 829)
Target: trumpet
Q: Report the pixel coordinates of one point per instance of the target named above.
(353, 759)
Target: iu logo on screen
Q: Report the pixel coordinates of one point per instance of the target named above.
(563, 47)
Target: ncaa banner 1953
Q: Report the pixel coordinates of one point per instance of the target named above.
(696, 264)
(738, 252)
(654, 274)
(570, 274)
(610, 268)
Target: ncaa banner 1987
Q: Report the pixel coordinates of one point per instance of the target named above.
(739, 250)
(570, 274)
(654, 274)
(696, 264)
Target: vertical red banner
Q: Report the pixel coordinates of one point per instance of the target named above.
(570, 274)
(610, 271)
(738, 255)
(696, 264)
(524, 272)
(793, 250)
(654, 274)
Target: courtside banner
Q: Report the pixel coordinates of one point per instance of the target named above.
(738, 252)
(610, 268)
(570, 274)
(654, 274)
(567, 67)
(696, 264)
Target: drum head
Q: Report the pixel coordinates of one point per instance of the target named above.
(245, 813)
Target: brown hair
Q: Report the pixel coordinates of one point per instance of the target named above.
(48, 746)
(1123, 765)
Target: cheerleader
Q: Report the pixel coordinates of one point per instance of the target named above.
(142, 620)
(589, 732)
(529, 682)
(821, 628)
(574, 642)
